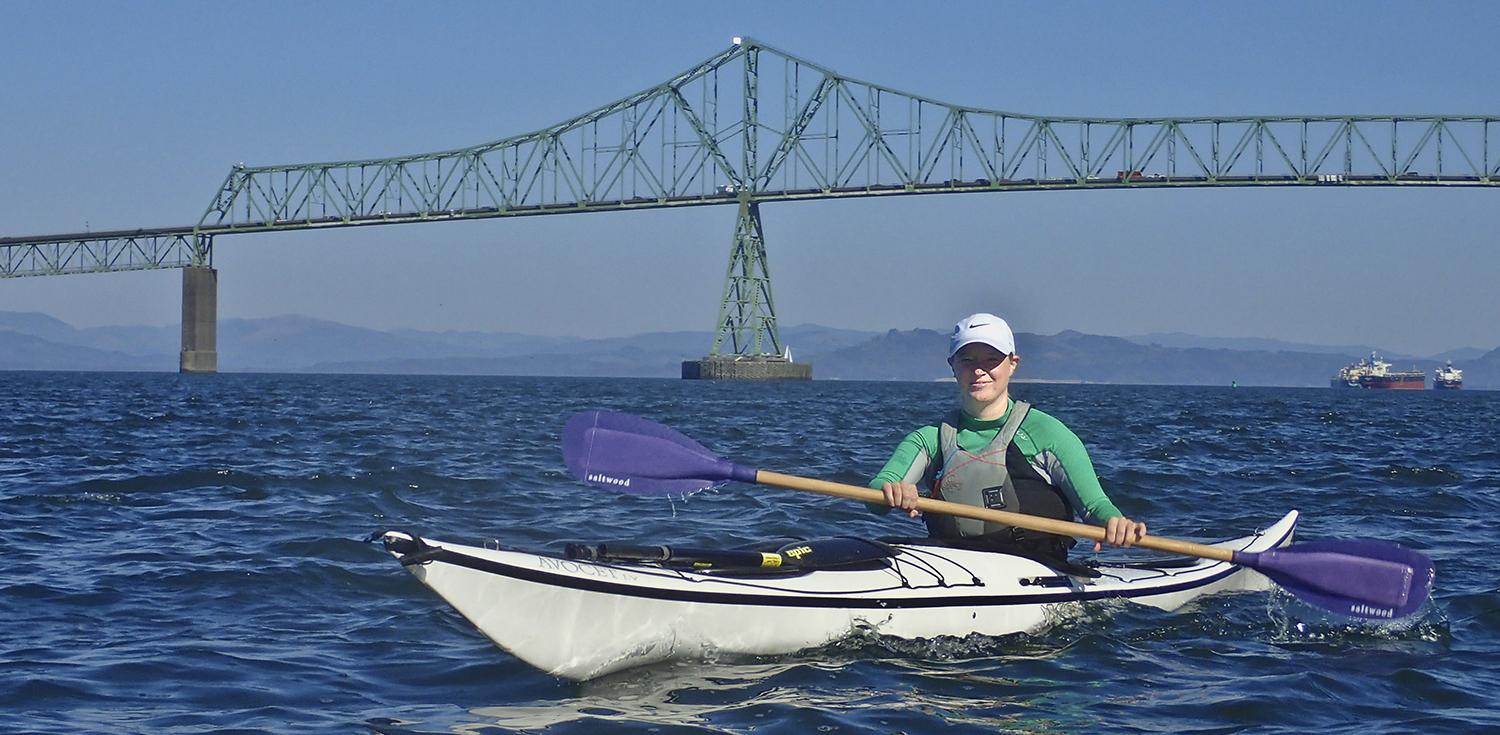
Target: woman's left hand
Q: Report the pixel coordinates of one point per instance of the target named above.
(1121, 531)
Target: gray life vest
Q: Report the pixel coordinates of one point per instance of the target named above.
(976, 478)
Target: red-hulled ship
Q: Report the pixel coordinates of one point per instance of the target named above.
(1377, 373)
(1447, 378)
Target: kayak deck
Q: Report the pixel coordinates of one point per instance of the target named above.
(579, 619)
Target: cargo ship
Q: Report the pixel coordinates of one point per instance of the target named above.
(1377, 373)
(1447, 378)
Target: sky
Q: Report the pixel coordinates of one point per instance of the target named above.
(124, 115)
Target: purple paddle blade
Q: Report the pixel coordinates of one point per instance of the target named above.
(1361, 579)
(641, 457)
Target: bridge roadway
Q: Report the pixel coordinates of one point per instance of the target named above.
(98, 235)
(1141, 181)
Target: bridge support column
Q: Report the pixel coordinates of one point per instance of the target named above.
(200, 311)
(747, 316)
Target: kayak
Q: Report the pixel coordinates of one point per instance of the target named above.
(594, 610)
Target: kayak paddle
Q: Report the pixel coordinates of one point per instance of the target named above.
(1357, 578)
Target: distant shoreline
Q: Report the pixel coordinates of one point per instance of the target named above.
(302, 345)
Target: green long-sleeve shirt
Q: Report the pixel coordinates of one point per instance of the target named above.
(1052, 448)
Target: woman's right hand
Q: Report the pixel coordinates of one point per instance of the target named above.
(902, 495)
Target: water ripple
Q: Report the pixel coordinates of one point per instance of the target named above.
(184, 555)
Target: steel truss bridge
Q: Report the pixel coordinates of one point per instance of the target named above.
(755, 124)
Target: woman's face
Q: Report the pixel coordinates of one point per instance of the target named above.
(983, 372)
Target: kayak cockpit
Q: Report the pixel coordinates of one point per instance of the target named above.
(779, 558)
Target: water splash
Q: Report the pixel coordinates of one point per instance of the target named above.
(1296, 623)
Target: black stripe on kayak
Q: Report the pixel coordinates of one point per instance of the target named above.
(448, 556)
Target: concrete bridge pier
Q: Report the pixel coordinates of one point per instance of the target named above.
(200, 309)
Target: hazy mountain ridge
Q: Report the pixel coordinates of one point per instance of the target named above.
(20, 351)
(33, 341)
(1267, 344)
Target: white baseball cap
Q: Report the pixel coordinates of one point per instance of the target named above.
(985, 329)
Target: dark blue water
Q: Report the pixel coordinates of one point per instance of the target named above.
(184, 554)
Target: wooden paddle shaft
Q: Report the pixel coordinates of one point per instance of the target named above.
(1021, 520)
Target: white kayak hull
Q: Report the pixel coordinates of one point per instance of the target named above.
(579, 620)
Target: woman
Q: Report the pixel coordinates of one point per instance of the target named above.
(999, 453)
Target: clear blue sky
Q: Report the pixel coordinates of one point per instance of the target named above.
(129, 114)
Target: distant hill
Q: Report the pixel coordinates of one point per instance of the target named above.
(158, 342)
(1252, 344)
(28, 352)
(1483, 371)
(32, 341)
(918, 354)
(36, 324)
(654, 354)
(1263, 344)
(1093, 358)
(1460, 354)
(1074, 356)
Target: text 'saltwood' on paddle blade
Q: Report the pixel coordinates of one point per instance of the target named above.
(641, 457)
